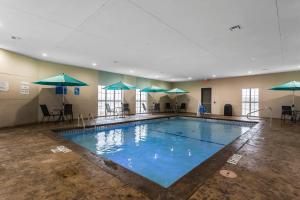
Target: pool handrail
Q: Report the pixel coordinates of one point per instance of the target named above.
(267, 108)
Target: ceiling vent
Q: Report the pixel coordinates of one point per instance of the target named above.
(235, 28)
(13, 37)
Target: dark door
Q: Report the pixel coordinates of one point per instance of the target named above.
(206, 98)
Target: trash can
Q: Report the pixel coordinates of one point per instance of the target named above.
(228, 110)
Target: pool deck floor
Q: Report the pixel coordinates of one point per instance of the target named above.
(269, 168)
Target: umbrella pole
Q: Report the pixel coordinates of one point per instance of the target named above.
(293, 97)
(63, 103)
(122, 103)
(176, 106)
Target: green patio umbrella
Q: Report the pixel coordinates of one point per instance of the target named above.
(176, 91)
(61, 80)
(153, 89)
(120, 86)
(290, 86)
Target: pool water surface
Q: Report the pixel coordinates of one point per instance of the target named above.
(161, 150)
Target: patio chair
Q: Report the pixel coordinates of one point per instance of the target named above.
(126, 109)
(109, 110)
(182, 107)
(46, 113)
(168, 107)
(286, 111)
(144, 108)
(156, 108)
(68, 111)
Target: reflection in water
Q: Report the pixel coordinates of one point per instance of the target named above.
(109, 141)
(189, 152)
(172, 148)
(141, 132)
(129, 163)
(205, 132)
(244, 129)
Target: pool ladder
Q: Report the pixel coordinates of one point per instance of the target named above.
(80, 118)
(91, 117)
(267, 108)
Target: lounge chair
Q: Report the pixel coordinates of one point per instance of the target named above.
(48, 114)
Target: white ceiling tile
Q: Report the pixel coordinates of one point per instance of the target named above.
(65, 12)
(173, 38)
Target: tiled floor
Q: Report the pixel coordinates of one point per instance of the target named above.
(269, 168)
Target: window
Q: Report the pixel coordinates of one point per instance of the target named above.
(250, 101)
(141, 98)
(111, 97)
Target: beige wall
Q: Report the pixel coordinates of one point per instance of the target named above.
(228, 90)
(16, 109)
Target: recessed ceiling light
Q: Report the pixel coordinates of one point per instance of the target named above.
(298, 66)
(131, 71)
(156, 76)
(214, 76)
(190, 78)
(172, 79)
(44, 55)
(249, 72)
(94, 64)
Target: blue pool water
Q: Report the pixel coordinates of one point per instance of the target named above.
(161, 150)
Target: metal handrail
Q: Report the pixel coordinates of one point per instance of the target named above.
(91, 117)
(80, 117)
(268, 108)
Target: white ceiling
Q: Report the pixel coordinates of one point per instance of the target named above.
(162, 39)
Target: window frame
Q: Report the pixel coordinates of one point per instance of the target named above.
(111, 97)
(250, 101)
(140, 98)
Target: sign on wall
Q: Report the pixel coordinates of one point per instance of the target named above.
(4, 86)
(24, 88)
(61, 90)
(76, 91)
